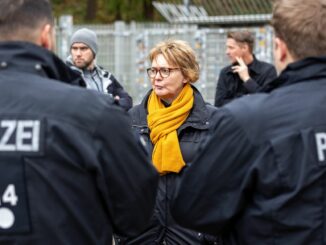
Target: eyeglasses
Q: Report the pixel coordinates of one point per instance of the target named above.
(164, 72)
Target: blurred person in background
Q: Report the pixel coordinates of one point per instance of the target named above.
(82, 58)
(246, 74)
(174, 120)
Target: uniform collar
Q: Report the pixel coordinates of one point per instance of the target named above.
(312, 68)
(31, 58)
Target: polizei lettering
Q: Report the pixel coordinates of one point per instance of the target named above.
(20, 135)
(321, 146)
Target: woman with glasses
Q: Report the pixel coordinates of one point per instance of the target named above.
(174, 120)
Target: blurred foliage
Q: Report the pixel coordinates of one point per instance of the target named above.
(106, 11)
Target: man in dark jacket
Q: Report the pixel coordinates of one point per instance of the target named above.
(246, 74)
(67, 176)
(265, 166)
(83, 51)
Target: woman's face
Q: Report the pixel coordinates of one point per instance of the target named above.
(167, 88)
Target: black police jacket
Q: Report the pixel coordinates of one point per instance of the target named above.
(69, 171)
(162, 229)
(230, 86)
(265, 175)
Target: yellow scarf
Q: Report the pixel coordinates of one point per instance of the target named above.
(163, 123)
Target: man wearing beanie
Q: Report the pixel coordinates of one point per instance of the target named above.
(83, 50)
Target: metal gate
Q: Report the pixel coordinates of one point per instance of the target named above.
(123, 50)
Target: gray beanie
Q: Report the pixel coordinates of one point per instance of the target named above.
(87, 37)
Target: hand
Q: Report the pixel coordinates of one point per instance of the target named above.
(241, 69)
(117, 98)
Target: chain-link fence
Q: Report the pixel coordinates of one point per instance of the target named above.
(123, 50)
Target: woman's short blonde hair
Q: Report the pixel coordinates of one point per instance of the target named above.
(179, 54)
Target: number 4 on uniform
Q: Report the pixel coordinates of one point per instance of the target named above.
(9, 195)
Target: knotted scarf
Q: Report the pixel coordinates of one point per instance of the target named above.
(163, 123)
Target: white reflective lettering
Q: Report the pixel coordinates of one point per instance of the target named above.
(26, 135)
(321, 145)
(36, 136)
(10, 126)
(9, 196)
(25, 140)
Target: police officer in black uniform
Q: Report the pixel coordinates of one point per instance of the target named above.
(70, 171)
(264, 180)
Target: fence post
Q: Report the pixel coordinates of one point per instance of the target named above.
(65, 29)
(119, 28)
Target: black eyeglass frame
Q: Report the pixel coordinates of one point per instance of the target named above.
(159, 70)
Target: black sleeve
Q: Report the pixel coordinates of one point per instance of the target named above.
(212, 190)
(253, 86)
(127, 180)
(115, 89)
(222, 94)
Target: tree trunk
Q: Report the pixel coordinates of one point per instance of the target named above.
(149, 10)
(91, 10)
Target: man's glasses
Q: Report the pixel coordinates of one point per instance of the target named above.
(164, 72)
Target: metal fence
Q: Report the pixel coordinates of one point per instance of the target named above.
(123, 50)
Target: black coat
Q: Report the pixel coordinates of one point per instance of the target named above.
(265, 175)
(110, 84)
(65, 177)
(116, 89)
(195, 131)
(230, 86)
